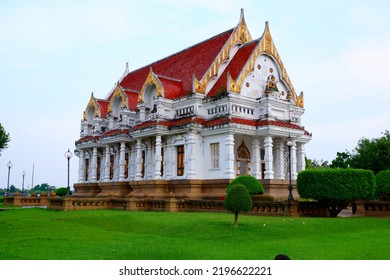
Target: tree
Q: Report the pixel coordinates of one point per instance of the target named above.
(4, 138)
(238, 199)
(373, 154)
(335, 188)
(342, 160)
(312, 164)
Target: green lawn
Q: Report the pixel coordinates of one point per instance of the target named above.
(116, 235)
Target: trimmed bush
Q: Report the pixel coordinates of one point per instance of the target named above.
(62, 191)
(251, 183)
(335, 188)
(383, 184)
(238, 200)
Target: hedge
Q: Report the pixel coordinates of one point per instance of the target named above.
(336, 187)
(383, 184)
(251, 183)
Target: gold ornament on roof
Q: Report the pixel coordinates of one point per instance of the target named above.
(239, 36)
(151, 79)
(265, 46)
(118, 92)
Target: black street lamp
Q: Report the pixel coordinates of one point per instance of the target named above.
(68, 155)
(9, 171)
(23, 174)
(290, 187)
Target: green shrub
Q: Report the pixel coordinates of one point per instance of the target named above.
(335, 188)
(251, 183)
(238, 200)
(62, 191)
(383, 184)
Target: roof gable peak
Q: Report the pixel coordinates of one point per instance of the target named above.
(266, 46)
(239, 36)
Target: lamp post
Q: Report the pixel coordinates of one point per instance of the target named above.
(9, 165)
(23, 174)
(290, 187)
(68, 155)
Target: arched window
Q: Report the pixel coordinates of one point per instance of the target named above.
(150, 95)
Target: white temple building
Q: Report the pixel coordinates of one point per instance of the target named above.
(186, 125)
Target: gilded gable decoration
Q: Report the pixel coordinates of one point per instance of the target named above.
(151, 79)
(239, 36)
(92, 103)
(118, 92)
(265, 46)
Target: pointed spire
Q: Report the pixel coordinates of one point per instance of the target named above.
(242, 14)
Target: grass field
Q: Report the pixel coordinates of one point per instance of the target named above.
(42, 234)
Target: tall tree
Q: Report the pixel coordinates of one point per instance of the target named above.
(342, 160)
(4, 138)
(372, 154)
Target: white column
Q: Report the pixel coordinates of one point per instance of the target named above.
(279, 174)
(157, 158)
(132, 162)
(190, 156)
(149, 162)
(169, 154)
(255, 170)
(294, 161)
(116, 163)
(82, 166)
(268, 158)
(94, 166)
(122, 162)
(301, 164)
(229, 148)
(107, 164)
(138, 147)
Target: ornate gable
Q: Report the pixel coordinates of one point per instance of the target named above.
(118, 93)
(91, 106)
(266, 47)
(239, 36)
(152, 79)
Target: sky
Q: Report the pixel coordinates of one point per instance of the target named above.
(54, 54)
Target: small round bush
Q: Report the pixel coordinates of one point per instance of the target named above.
(238, 199)
(383, 184)
(251, 183)
(62, 191)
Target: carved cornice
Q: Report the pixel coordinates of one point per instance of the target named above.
(265, 46)
(240, 35)
(118, 92)
(151, 79)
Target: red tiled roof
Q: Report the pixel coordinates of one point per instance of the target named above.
(103, 104)
(87, 139)
(180, 66)
(235, 66)
(132, 97)
(172, 88)
(116, 132)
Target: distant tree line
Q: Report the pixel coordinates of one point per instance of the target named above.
(370, 154)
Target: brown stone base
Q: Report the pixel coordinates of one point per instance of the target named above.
(279, 188)
(188, 189)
